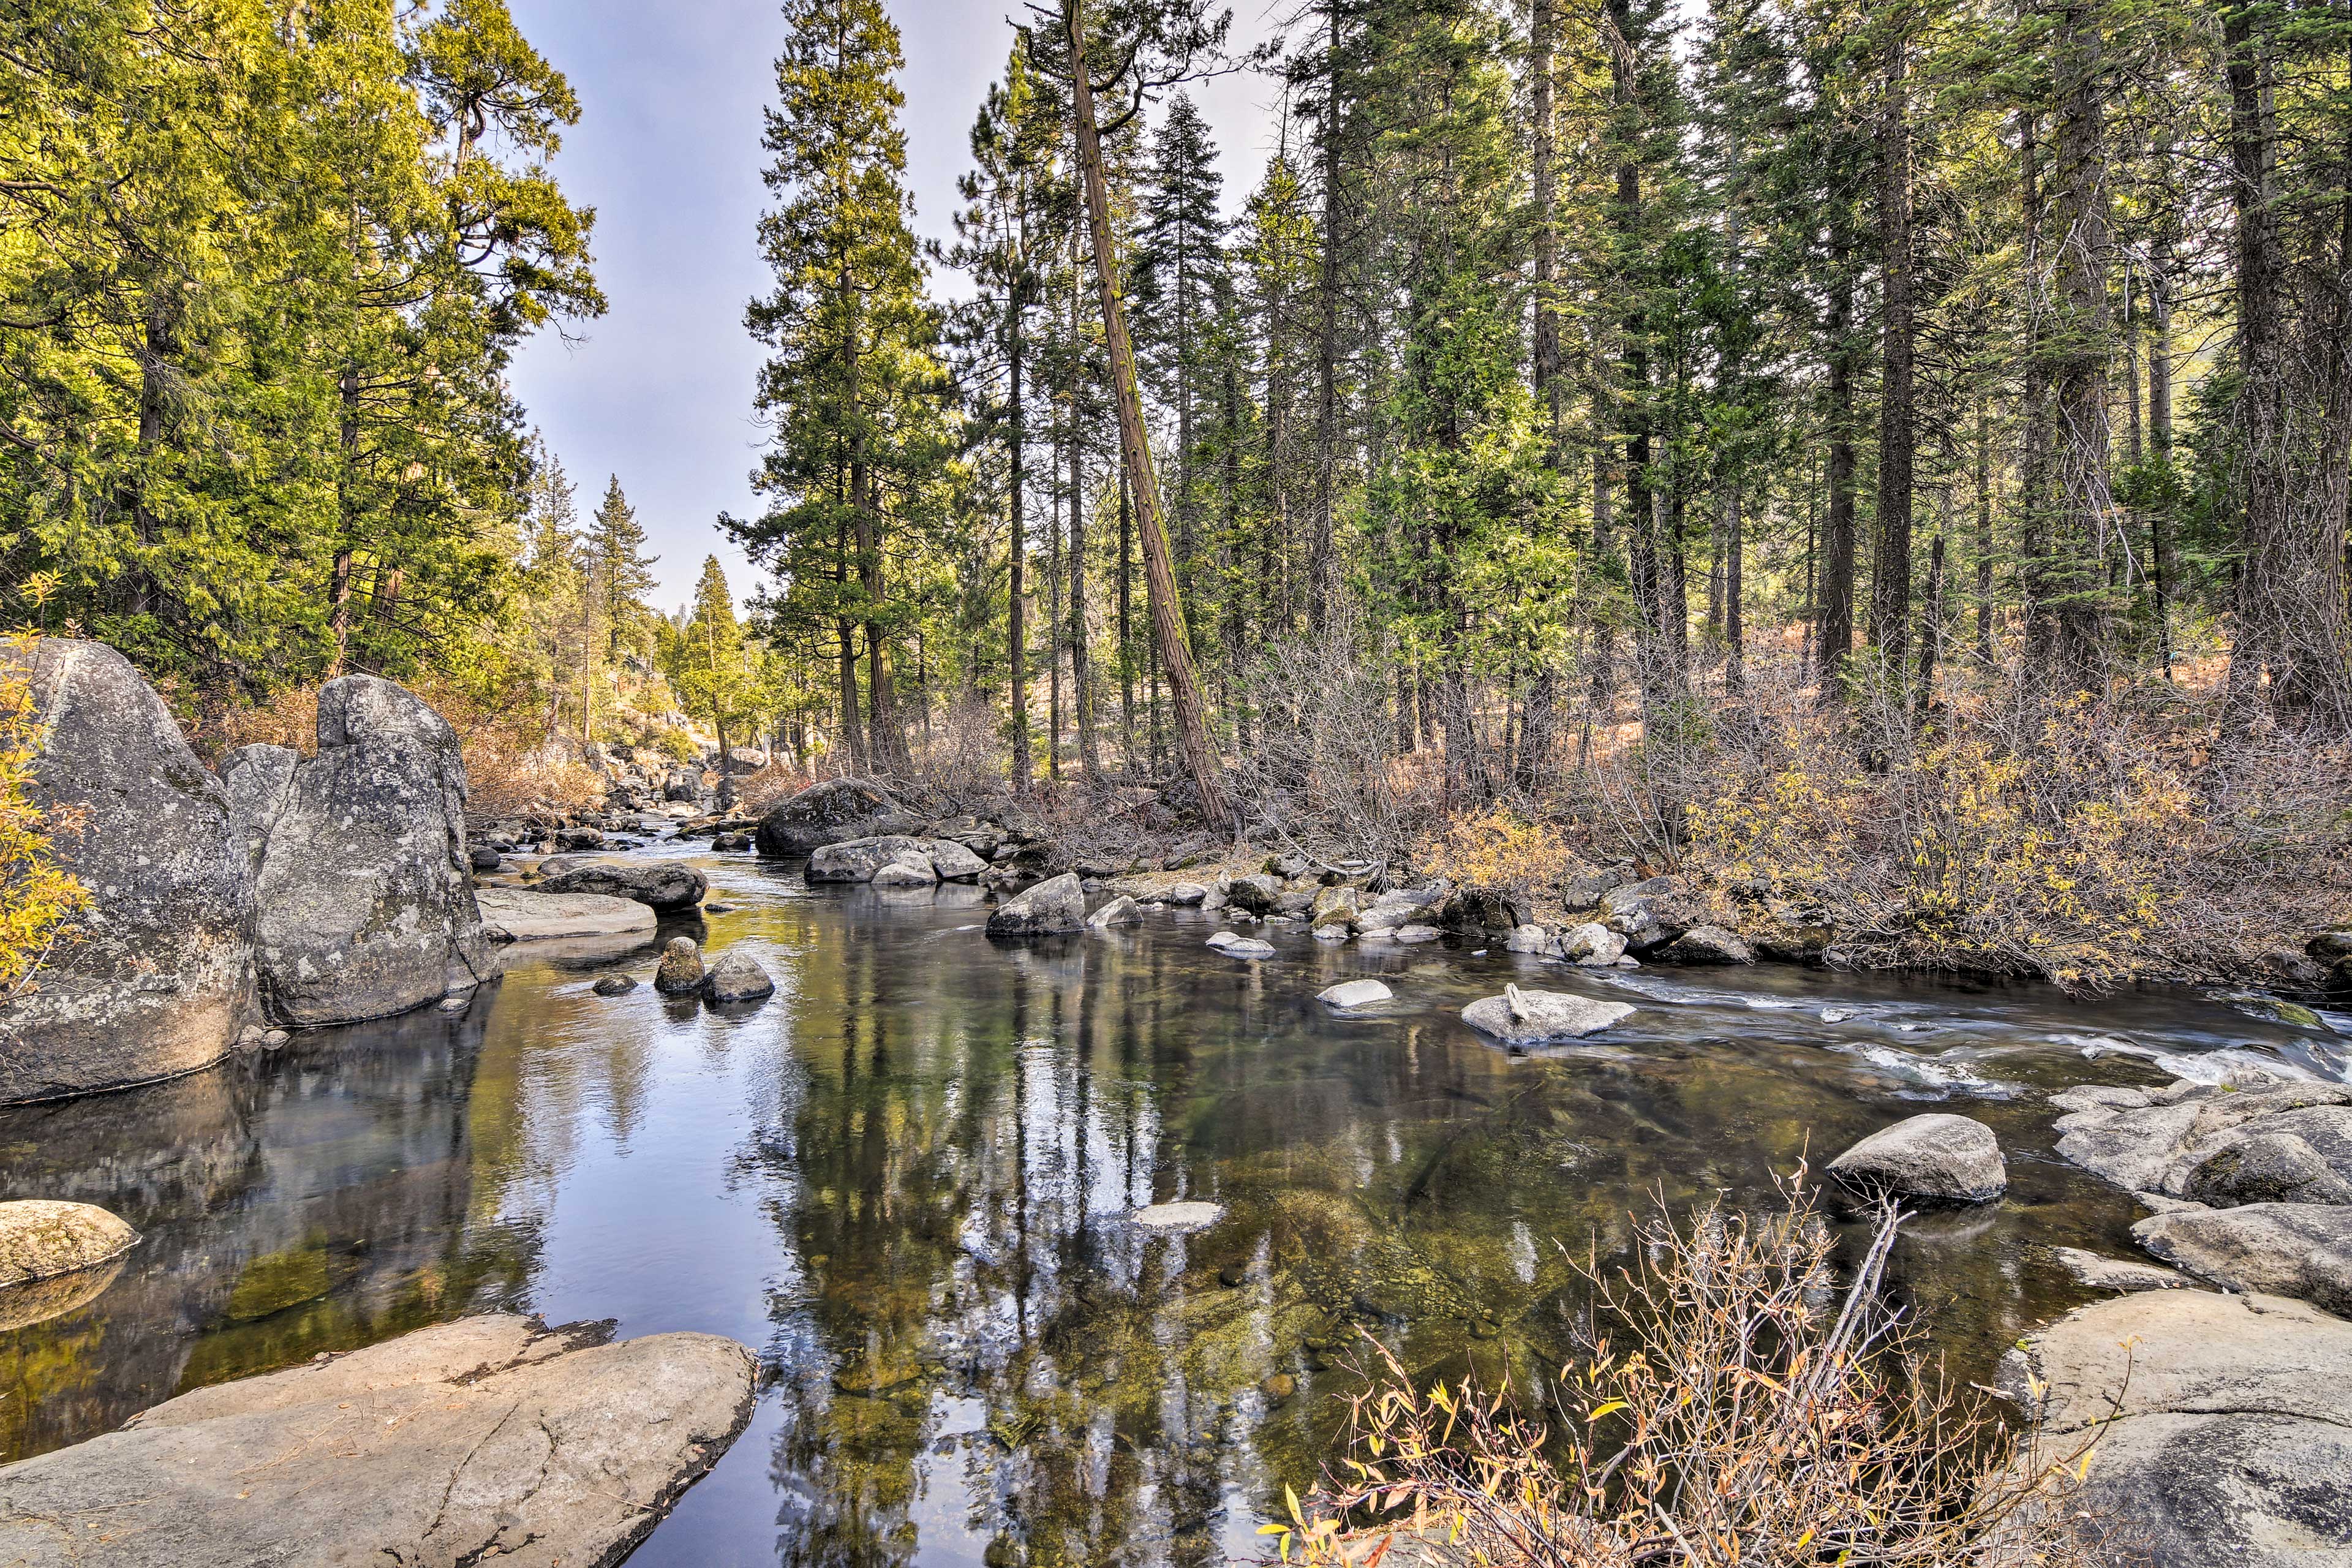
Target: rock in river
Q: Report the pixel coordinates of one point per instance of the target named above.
(828, 813)
(2290, 1143)
(615, 984)
(680, 973)
(2303, 1250)
(737, 977)
(485, 1439)
(1175, 1219)
(2224, 1426)
(665, 885)
(1929, 1159)
(857, 859)
(526, 914)
(1121, 910)
(40, 1238)
(1053, 907)
(1351, 994)
(364, 900)
(1541, 1017)
(160, 979)
(1707, 944)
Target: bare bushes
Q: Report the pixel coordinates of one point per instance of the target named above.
(1324, 766)
(959, 752)
(1733, 1407)
(2090, 840)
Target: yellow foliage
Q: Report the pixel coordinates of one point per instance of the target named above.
(1967, 854)
(1501, 850)
(37, 896)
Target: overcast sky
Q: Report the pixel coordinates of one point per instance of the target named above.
(667, 151)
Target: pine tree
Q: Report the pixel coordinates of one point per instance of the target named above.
(850, 394)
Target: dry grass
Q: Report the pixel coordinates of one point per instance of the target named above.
(1735, 1408)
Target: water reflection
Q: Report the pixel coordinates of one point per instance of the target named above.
(906, 1182)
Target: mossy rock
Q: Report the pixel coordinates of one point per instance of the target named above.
(40, 1239)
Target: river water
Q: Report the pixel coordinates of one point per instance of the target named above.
(903, 1183)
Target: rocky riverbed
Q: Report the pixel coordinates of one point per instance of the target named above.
(718, 1091)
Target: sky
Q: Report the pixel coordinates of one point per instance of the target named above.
(658, 390)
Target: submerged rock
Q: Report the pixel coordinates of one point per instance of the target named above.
(1234, 946)
(680, 971)
(158, 978)
(1349, 994)
(2224, 1425)
(2119, 1274)
(40, 1238)
(526, 914)
(363, 888)
(1174, 1219)
(615, 984)
(486, 1439)
(2304, 1250)
(1937, 1158)
(1054, 906)
(666, 886)
(738, 977)
(1541, 1017)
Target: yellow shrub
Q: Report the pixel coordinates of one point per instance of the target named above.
(36, 897)
(1503, 850)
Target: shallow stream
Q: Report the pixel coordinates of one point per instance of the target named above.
(903, 1181)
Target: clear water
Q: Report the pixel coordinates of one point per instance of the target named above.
(903, 1181)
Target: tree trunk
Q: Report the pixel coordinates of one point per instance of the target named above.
(2077, 575)
(1835, 644)
(1125, 628)
(1016, 631)
(1168, 620)
(1890, 579)
(1322, 571)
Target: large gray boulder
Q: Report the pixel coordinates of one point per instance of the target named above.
(2257, 1145)
(1523, 1019)
(157, 978)
(1054, 906)
(363, 901)
(829, 813)
(485, 1439)
(2224, 1425)
(1937, 1159)
(2304, 1250)
(737, 977)
(666, 886)
(857, 859)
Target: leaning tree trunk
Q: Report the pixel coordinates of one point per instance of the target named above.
(1167, 615)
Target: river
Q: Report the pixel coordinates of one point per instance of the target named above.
(903, 1181)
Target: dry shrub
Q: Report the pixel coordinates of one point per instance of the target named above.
(1739, 1409)
(1322, 766)
(1507, 851)
(755, 792)
(513, 766)
(959, 752)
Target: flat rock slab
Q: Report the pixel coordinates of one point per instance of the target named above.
(40, 1239)
(486, 1439)
(518, 914)
(1175, 1219)
(1351, 994)
(1541, 1017)
(665, 886)
(2224, 1426)
(2304, 1250)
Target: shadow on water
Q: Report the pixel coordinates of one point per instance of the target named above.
(905, 1181)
